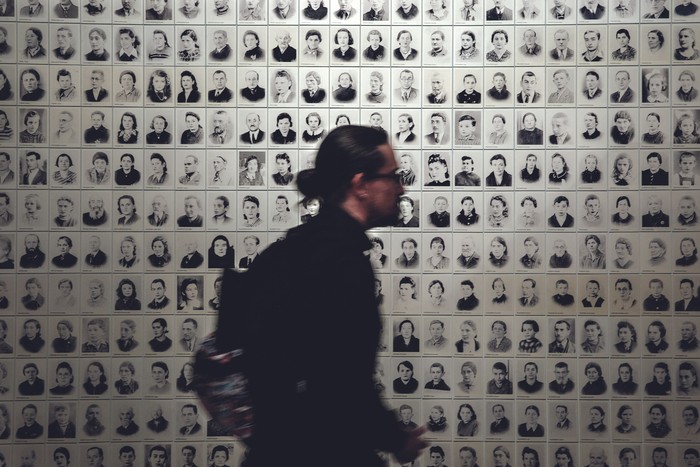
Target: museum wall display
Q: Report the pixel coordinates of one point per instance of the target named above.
(539, 292)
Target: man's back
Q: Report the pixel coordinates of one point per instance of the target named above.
(311, 346)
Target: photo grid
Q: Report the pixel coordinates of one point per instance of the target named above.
(539, 291)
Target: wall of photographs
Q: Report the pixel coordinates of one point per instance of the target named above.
(539, 293)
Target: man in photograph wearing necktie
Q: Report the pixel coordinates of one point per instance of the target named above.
(562, 94)
(250, 245)
(160, 300)
(561, 52)
(189, 418)
(438, 123)
(220, 93)
(407, 93)
(560, 10)
(189, 339)
(7, 8)
(284, 9)
(530, 45)
(32, 10)
(254, 135)
(66, 9)
(528, 94)
(624, 94)
(562, 343)
(499, 12)
(592, 10)
(345, 10)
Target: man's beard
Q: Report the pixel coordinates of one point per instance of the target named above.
(96, 213)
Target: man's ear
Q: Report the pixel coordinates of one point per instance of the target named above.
(358, 186)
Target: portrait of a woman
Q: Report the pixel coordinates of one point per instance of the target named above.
(498, 256)
(594, 257)
(64, 259)
(251, 211)
(126, 296)
(159, 88)
(64, 173)
(655, 43)
(436, 294)
(499, 53)
(689, 253)
(560, 170)
(66, 342)
(658, 426)
(250, 174)
(314, 93)
(345, 51)
(221, 253)
(406, 341)
(194, 133)
(315, 132)
(129, 43)
(653, 135)
(98, 53)
(190, 91)
(622, 132)
(627, 335)
(660, 384)
(597, 417)
(467, 422)
(687, 50)
(406, 213)
(251, 44)
(126, 384)
(438, 171)
(623, 251)
(468, 215)
(127, 174)
(375, 51)
(437, 422)
(219, 456)
(498, 212)
(499, 133)
(31, 89)
(64, 380)
(159, 135)
(160, 48)
(189, 47)
(184, 381)
(5, 91)
(284, 214)
(5, 47)
(345, 92)
(129, 254)
(126, 341)
(499, 292)
(33, 38)
(596, 385)
(96, 380)
(625, 414)
(189, 295)
(161, 256)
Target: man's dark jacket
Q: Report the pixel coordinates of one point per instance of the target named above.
(310, 374)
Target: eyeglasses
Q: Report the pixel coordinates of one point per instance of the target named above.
(395, 176)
